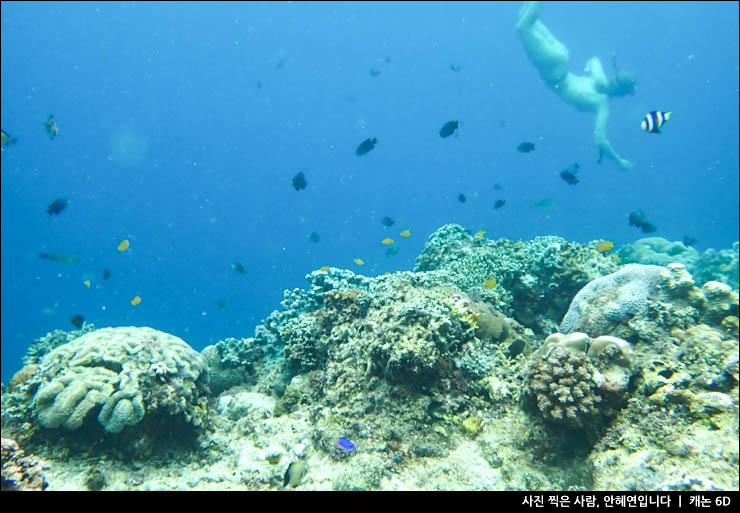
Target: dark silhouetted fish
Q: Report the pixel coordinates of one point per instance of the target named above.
(107, 274)
(525, 147)
(238, 267)
(448, 129)
(62, 258)
(57, 206)
(299, 181)
(387, 221)
(77, 321)
(314, 237)
(648, 228)
(366, 146)
(461, 198)
(688, 241)
(637, 218)
(499, 204)
(569, 175)
(221, 303)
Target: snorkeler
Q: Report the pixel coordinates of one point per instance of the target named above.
(588, 93)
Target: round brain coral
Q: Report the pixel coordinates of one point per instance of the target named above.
(121, 374)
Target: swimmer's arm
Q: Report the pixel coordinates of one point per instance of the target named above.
(605, 148)
(596, 70)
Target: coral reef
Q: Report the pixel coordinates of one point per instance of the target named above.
(438, 381)
(122, 374)
(230, 362)
(579, 381)
(612, 299)
(19, 472)
(535, 280)
(41, 346)
(645, 302)
(565, 386)
(719, 266)
(711, 265)
(658, 251)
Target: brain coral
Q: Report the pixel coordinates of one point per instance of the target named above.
(613, 298)
(122, 374)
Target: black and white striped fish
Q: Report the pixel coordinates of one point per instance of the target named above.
(654, 121)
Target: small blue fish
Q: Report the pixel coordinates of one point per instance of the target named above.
(346, 445)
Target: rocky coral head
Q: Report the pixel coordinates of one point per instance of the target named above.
(614, 298)
(121, 374)
(576, 341)
(623, 349)
(564, 387)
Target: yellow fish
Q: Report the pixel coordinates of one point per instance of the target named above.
(387, 242)
(405, 234)
(604, 246)
(489, 284)
(123, 246)
(359, 261)
(87, 283)
(324, 269)
(480, 234)
(136, 301)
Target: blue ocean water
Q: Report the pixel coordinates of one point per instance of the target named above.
(182, 124)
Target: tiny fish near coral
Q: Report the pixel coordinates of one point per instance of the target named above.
(346, 445)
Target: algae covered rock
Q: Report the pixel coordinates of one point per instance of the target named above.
(120, 375)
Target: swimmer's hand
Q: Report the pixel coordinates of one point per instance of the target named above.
(624, 164)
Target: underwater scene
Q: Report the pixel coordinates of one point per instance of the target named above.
(297, 246)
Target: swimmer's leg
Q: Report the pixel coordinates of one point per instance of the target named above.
(529, 13)
(549, 55)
